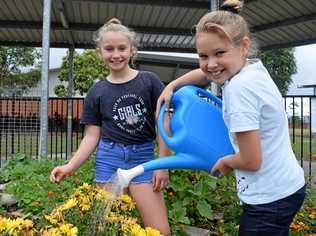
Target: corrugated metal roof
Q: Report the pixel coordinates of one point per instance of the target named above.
(161, 25)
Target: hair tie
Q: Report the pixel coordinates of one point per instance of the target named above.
(231, 6)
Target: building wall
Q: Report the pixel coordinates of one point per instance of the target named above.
(53, 82)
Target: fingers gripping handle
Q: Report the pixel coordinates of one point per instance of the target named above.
(210, 96)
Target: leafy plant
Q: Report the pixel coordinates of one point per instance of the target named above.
(193, 198)
(28, 176)
(305, 221)
(201, 200)
(9, 165)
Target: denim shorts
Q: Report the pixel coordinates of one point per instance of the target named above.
(272, 218)
(110, 156)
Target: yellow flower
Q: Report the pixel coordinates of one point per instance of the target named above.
(138, 231)
(312, 215)
(128, 203)
(55, 217)
(16, 227)
(113, 217)
(50, 232)
(152, 232)
(127, 199)
(69, 204)
(3, 224)
(102, 195)
(68, 230)
(85, 203)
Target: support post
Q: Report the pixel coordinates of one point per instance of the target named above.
(69, 103)
(44, 79)
(214, 5)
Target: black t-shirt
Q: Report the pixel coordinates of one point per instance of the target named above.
(125, 112)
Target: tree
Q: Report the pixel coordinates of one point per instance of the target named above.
(281, 65)
(19, 70)
(88, 68)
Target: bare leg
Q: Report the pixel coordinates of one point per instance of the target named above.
(151, 207)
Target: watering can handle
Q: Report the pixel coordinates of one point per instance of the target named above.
(210, 96)
(160, 123)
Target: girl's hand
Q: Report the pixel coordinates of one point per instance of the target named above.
(60, 172)
(160, 180)
(221, 167)
(164, 98)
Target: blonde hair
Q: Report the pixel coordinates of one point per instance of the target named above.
(115, 25)
(227, 22)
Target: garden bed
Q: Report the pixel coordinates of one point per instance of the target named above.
(196, 199)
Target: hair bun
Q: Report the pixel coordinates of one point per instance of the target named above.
(233, 6)
(113, 21)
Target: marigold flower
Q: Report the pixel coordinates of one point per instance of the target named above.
(50, 193)
(69, 204)
(68, 230)
(152, 232)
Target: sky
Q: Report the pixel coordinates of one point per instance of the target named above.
(305, 57)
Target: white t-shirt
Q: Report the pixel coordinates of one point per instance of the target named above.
(252, 101)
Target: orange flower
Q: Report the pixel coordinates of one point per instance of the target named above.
(50, 193)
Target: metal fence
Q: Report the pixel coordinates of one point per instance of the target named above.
(20, 127)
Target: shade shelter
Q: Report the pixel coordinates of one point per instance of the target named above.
(161, 25)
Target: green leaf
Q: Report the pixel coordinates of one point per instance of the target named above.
(198, 187)
(179, 213)
(205, 209)
(211, 182)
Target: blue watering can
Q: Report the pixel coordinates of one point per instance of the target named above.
(199, 134)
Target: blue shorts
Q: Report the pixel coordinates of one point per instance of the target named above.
(272, 218)
(110, 156)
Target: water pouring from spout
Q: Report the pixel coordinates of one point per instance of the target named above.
(199, 135)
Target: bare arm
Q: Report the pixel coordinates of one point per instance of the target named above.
(249, 156)
(161, 177)
(163, 150)
(194, 77)
(85, 149)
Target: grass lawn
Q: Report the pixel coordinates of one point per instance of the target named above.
(28, 143)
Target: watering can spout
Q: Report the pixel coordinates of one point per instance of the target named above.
(179, 161)
(125, 176)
